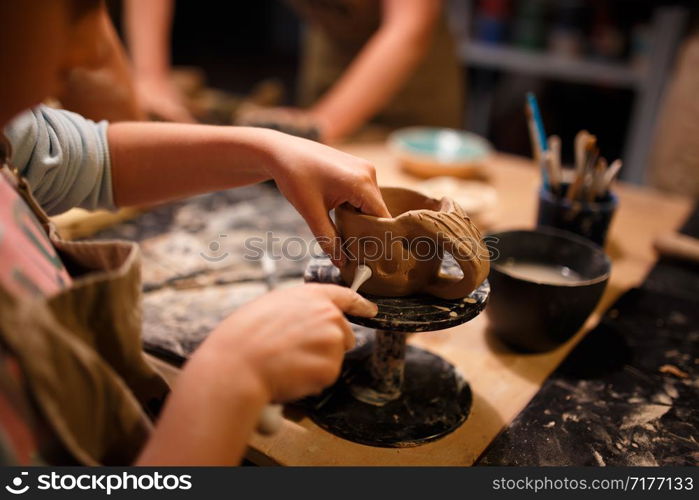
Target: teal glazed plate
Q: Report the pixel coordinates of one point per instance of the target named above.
(429, 152)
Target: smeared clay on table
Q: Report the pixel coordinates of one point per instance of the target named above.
(196, 267)
(419, 226)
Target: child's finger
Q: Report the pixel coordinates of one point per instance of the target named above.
(325, 233)
(370, 202)
(350, 302)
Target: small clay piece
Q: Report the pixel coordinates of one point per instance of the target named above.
(405, 251)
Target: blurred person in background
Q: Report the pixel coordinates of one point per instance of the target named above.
(106, 91)
(392, 62)
(148, 27)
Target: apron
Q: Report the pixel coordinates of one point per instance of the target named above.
(80, 350)
(339, 29)
(674, 157)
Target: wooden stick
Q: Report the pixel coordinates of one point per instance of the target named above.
(610, 175)
(555, 159)
(580, 141)
(678, 246)
(585, 145)
(598, 179)
(546, 165)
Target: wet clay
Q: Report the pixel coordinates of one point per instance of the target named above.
(405, 251)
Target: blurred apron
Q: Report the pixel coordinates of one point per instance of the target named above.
(339, 29)
(674, 158)
(80, 351)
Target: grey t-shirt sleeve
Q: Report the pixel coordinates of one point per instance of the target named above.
(64, 157)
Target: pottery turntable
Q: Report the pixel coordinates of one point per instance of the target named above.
(391, 394)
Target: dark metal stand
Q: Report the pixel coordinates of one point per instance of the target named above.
(391, 394)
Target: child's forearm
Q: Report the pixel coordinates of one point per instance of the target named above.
(209, 417)
(156, 162)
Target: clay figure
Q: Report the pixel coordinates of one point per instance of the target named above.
(405, 251)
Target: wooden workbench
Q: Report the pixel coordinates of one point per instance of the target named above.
(503, 382)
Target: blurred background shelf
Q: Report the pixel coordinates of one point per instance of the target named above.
(645, 80)
(550, 65)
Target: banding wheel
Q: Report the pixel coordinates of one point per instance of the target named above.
(389, 393)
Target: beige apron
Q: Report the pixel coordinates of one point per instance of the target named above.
(80, 351)
(338, 29)
(674, 158)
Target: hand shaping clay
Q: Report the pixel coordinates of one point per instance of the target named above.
(405, 251)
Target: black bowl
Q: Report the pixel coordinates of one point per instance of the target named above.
(536, 316)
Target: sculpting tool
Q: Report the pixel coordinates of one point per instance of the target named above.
(609, 176)
(597, 180)
(585, 146)
(592, 155)
(555, 159)
(678, 246)
(361, 275)
(271, 418)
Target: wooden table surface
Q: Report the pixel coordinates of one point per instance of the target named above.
(503, 382)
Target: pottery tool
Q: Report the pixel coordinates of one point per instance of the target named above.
(271, 418)
(586, 154)
(609, 176)
(580, 143)
(597, 186)
(361, 275)
(534, 114)
(555, 162)
(546, 166)
(678, 246)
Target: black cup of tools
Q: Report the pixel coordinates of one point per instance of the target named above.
(545, 283)
(590, 219)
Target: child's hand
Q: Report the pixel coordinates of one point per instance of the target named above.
(291, 342)
(317, 178)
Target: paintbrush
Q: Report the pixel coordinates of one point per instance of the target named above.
(585, 155)
(609, 176)
(555, 163)
(597, 180)
(580, 141)
(537, 132)
(591, 158)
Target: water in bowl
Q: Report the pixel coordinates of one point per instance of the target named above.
(540, 273)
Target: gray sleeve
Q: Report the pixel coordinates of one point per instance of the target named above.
(64, 157)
